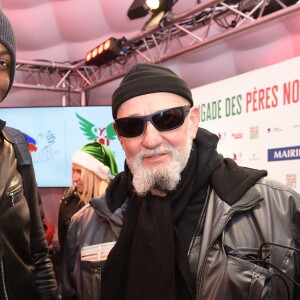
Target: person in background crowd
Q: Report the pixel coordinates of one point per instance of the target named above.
(26, 269)
(181, 222)
(93, 166)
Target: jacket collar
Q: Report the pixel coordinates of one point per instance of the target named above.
(101, 208)
(231, 181)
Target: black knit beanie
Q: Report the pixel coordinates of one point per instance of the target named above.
(145, 78)
(7, 39)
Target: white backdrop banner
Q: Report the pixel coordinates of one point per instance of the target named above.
(257, 118)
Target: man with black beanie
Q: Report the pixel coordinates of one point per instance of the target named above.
(181, 222)
(26, 272)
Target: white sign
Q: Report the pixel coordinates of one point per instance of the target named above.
(257, 118)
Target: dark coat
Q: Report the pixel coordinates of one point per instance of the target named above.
(244, 209)
(26, 270)
(69, 205)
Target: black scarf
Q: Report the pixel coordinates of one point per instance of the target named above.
(149, 260)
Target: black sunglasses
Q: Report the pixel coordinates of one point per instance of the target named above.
(163, 120)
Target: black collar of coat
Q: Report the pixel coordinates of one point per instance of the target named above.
(231, 181)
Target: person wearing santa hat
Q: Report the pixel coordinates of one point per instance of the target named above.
(93, 166)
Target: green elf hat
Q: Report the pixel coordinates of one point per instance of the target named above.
(97, 158)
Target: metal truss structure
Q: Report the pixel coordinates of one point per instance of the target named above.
(175, 35)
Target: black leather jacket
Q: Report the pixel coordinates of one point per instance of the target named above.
(243, 209)
(26, 271)
(226, 264)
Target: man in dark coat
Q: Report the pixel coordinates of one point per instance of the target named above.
(181, 222)
(26, 270)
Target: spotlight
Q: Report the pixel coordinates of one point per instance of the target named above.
(103, 53)
(140, 8)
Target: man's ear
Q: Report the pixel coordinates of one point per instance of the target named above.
(194, 119)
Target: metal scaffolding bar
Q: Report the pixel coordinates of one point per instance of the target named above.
(176, 35)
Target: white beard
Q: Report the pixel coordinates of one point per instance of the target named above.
(162, 177)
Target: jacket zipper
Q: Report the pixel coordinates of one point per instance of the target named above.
(3, 280)
(212, 243)
(13, 193)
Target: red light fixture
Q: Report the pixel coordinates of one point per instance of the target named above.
(100, 49)
(103, 53)
(107, 44)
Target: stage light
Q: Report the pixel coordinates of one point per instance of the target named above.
(152, 4)
(140, 8)
(103, 53)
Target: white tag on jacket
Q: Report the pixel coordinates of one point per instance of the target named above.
(97, 252)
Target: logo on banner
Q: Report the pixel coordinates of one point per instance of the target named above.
(291, 180)
(287, 153)
(97, 134)
(238, 135)
(274, 129)
(42, 147)
(222, 136)
(254, 157)
(237, 156)
(254, 133)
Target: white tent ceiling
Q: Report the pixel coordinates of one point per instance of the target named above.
(63, 31)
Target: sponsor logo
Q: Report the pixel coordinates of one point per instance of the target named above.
(237, 156)
(291, 180)
(287, 153)
(254, 157)
(238, 135)
(274, 129)
(222, 136)
(254, 133)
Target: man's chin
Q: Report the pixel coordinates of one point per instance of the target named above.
(153, 168)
